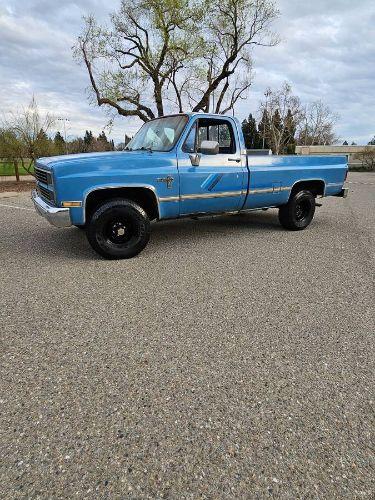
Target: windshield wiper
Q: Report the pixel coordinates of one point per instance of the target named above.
(143, 149)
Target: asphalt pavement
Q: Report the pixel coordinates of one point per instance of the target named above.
(230, 359)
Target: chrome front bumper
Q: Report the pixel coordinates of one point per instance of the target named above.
(59, 217)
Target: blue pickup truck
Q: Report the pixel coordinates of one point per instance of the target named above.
(180, 165)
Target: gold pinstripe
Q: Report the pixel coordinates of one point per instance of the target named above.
(222, 194)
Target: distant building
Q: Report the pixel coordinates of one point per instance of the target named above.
(352, 152)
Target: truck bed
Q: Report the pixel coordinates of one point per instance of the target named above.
(272, 178)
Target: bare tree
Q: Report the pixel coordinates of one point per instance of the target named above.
(283, 109)
(11, 149)
(175, 54)
(317, 125)
(368, 157)
(30, 129)
(231, 29)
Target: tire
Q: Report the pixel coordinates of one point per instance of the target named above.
(118, 229)
(298, 212)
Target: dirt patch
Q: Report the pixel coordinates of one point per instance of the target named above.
(18, 187)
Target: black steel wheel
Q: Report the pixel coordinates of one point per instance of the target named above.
(298, 212)
(118, 229)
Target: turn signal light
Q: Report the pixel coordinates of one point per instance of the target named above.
(69, 204)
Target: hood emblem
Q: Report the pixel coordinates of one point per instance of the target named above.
(168, 180)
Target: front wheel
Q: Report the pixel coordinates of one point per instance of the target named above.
(118, 229)
(298, 212)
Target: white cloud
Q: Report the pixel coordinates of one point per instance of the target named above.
(327, 52)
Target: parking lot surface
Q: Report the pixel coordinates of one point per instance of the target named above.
(230, 359)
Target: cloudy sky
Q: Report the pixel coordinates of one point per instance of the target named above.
(327, 52)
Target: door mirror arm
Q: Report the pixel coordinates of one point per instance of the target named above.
(195, 158)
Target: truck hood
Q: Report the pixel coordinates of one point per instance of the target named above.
(85, 163)
(87, 158)
(50, 161)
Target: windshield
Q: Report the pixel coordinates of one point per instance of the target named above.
(160, 134)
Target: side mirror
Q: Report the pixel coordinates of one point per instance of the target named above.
(195, 158)
(209, 148)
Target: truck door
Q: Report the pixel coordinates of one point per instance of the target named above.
(211, 183)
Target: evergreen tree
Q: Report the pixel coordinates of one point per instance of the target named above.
(59, 143)
(275, 131)
(250, 132)
(263, 129)
(102, 143)
(43, 145)
(88, 142)
(88, 138)
(102, 137)
(345, 143)
(246, 133)
(289, 133)
(372, 142)
(276, 120)
(42, 136)
(58, 139)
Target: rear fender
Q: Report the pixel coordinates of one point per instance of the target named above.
(316, 186)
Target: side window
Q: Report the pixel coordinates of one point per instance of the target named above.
(210, 130)
(225, 138)
(189, 144)
(202, 135)
(217, 130)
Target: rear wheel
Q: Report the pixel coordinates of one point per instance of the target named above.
(298, 212)
(118, 229)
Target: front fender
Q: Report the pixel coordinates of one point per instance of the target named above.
(117, 185)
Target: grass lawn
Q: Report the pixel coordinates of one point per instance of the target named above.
(7, 168)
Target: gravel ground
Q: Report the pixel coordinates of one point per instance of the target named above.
(11, 186)
(231, 359)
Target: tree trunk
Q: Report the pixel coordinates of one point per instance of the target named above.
(28, 169)
(16, 171)
(158, 98)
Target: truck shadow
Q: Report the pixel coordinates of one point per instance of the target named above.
(45, 241)
(223, 225)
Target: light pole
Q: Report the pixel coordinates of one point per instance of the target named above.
(64, 120)
(266, 94)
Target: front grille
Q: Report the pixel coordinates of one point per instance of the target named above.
(41, 175)
(45, 193)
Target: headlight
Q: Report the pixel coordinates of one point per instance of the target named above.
(49, 179)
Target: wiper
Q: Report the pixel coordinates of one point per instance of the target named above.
(143, 149)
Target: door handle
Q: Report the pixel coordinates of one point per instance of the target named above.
(235, 159)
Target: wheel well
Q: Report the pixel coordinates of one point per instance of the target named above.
(316, 187)
(144, 197)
